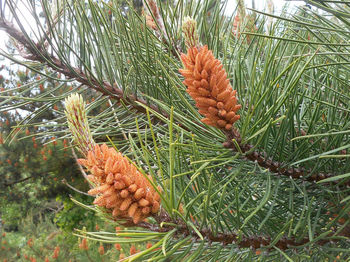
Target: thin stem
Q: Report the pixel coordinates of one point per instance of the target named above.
(73, 188)
(19, 181)
(80, 167)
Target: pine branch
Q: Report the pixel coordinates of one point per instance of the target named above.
(241, 241)
(35, 52)
(275, 167)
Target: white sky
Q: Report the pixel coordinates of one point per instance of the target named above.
(261, 4)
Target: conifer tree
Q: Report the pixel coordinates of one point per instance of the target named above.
(28, 174)
(213, 144)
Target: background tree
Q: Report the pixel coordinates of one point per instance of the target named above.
(38, 177)
(26, 172)
(275, 187)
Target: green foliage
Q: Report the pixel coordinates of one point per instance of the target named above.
(73, 216)
(38, 238)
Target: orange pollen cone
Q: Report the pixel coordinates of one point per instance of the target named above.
(207, 84)
(120, 187)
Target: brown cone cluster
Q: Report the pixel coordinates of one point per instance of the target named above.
(208, 85)
(119, 185)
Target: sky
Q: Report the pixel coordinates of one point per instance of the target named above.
(261, 4)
